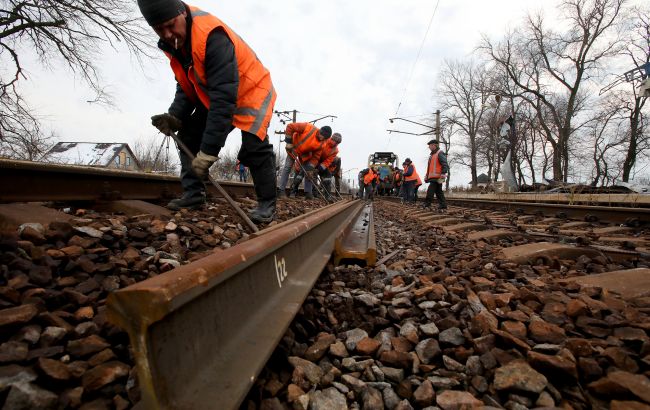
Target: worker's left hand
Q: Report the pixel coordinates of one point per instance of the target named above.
(166, 123)
(202, 162)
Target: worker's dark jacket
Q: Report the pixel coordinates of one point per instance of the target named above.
(226, 76)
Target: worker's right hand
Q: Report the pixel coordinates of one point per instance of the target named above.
(166, 123)
(289, 147)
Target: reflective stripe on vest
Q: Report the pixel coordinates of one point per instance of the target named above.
(413, 176)
(434, 170)
(304, 137)
(255, 94)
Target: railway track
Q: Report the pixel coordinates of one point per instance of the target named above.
(452, 319)
(614, 212)
(205, 304)
(253, 284)
(26, 181)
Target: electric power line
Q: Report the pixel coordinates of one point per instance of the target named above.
(417, 58)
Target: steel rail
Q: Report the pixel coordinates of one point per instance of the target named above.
(608, 214)
(631, 199)
(202, 332)
(26, 181)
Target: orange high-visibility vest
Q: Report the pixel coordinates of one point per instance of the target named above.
(306, 143)
(369, 177)
(414, 176)
(434, 169)
(327, 154)
(418, 181)
(255, 94)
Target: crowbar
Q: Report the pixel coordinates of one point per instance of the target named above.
(222, 191)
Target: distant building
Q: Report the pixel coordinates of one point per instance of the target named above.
(481, 181)
(114, 156)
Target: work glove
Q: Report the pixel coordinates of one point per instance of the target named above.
(289, 148)
(201, 164)
(166, 123)
(442, 178)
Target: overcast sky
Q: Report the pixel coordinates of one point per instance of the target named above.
(351, 59)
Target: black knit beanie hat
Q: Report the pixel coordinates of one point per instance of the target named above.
(326, 131)
(159, 11)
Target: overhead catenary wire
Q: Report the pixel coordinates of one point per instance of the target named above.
(417, 58)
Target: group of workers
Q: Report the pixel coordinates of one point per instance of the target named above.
(222, 85)
(312, 155)
(405, 182)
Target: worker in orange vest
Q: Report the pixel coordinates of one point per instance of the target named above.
(368, 179)
(325, 164)
(397, 181)
(221, 85)
(436, 174)
(411, 181)
(304, 142)
(335, 168)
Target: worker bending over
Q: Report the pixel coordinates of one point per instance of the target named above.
(326, 165)
(221, 85)
(304, 141)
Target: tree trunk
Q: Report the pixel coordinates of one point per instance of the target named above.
(630, 157)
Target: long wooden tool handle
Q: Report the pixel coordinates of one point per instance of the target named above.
(222, 191)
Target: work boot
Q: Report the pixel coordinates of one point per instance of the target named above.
(263, 174)
(309, 195)
(264, 212)
(187, 201)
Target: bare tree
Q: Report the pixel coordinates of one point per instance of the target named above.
(460, 92)
(157, 154)
(638, 51)
(67, 31)
(603, 131)
(550, 68)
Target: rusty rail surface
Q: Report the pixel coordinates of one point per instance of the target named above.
(202, 332)
(26, 181)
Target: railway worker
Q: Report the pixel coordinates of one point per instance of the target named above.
(360, 180)
(411, 180)
(437, 170)
(242, 170)
(368, 183)
(397, 181)
(336, 172)
(304, 141)
(324, 164)
(221, 85)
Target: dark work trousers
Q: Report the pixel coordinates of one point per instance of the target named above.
(337, 174)
(254, 153)
(409, 191)
(435, 188)
(368, 191)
